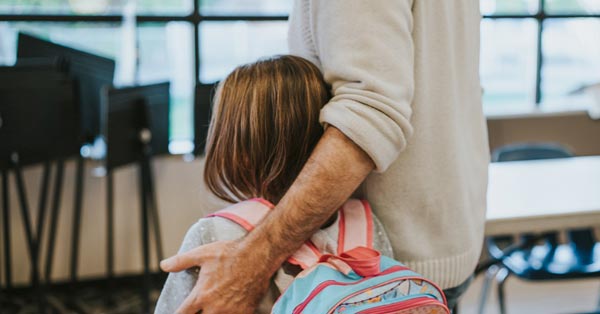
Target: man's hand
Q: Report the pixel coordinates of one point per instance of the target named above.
(236, 274)
(226, 285)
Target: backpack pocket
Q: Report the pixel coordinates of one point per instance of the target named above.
(399, 295)
(418, 305)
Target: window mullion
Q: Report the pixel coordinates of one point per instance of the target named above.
(540, 56)
(197, 62)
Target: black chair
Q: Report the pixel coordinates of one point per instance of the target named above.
(537, 257)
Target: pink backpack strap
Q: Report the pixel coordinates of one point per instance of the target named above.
(364, 261)
(249, 213)
(307, 256)
(355, 225)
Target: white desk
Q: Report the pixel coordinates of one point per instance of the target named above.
(543, 195)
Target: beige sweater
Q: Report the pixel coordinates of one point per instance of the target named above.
(405, 80)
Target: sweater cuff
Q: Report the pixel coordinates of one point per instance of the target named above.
(375, 133)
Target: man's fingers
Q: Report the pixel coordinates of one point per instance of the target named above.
(179, 262)
(191, 258)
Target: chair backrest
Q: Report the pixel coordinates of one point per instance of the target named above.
(530, 151)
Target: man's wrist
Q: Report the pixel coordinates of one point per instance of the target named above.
(333, 172)
(258, 250)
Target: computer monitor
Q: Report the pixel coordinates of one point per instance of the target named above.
(91, 73)
(39, 116)
(42, 63)
(125, 112)
(203, 98)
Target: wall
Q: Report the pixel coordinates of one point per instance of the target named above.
(577, 131)
(183, 198)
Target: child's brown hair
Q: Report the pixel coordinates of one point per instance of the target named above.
(264, 126)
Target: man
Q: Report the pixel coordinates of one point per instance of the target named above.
(405, 118)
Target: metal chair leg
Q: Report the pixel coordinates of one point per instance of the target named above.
(30, 237)
(6, 229)
(42, 204)
(598, 304)
(501, 277)
(153, 209)
(487, 281)
(75, 233)
(54, 213)
(110, 236)
(455, 309)
(145, 289)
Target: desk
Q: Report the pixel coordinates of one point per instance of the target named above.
(543, 195)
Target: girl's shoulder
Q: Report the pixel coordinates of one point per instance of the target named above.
(232, 222)
(213, 228)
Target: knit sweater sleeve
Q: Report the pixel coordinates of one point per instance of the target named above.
(365, 50)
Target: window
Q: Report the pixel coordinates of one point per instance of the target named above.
(508, 63)
(571, 53)
(246, 7)
(95, 7)
(538, 52)
(182, 41)
(228, 44)
(165, 54)
(533, 52)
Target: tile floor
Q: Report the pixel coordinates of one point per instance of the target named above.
(576, 296)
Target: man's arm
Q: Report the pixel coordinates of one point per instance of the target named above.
(366, 53)
(235, 275)
(332, 173)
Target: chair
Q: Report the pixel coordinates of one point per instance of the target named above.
(537, 257)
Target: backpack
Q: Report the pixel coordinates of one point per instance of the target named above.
(358, 279)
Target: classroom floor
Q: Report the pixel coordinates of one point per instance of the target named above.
(92, 296)
(573, 296)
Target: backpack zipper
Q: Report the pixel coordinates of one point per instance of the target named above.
(300, 307)
(394, 308)
(386, 283)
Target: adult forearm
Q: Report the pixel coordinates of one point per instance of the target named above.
(335, 169)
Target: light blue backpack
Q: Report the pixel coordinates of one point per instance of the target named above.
(357, 280)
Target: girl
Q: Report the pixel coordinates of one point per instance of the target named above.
(264, 126)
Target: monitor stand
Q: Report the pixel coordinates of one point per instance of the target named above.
(149, 213)
(34, 240)
(148, 216)
(150, 221)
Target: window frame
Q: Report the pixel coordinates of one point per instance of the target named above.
(540, 16)
(196, 18)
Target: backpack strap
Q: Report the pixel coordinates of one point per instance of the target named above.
(307, 256)
(248, 214)
(364, 261)
(355, 225)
